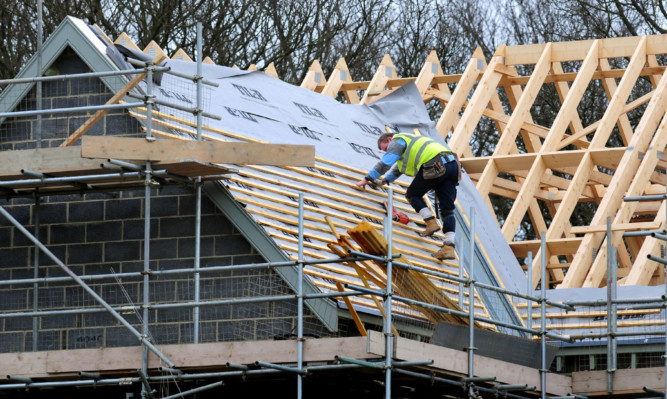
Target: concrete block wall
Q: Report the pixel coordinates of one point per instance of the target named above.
(104, 234)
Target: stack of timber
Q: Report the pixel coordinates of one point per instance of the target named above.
(407, 283)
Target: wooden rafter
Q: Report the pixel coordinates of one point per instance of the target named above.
(549, 170)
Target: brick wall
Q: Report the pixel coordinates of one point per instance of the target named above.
(101, 233)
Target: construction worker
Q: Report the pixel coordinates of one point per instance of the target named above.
(434, 167)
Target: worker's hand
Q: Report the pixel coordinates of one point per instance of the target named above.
(384, 181)
(361, 184)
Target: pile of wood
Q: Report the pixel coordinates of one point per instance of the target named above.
(407, 283)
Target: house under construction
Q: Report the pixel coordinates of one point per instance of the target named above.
(175, 228)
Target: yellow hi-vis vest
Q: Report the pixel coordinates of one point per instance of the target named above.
(418, 150)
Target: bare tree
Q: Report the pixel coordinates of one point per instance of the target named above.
(292, 33)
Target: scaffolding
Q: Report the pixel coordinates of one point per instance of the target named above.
(471, 386)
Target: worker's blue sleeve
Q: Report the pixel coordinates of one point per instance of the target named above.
(388, 159)
(394, 152)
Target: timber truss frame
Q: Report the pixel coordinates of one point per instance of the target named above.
(556, 167)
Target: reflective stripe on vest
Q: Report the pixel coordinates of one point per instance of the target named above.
(418, 150)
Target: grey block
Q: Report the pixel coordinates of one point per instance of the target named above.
(115, 294)
(121, 251)
(162, 291)
(18, 324)
(207, 332)
(121, 124)
(85, 211)
(250, 310)
(231, 245)
(186, 247)
(21, 213)
(174, 315)
(177, 227)
(275, 328)
(123, 209)
(67, 233)
(215, 313)
(12, 257)
(216, 225)
(239, 330)
(85, 253)
(50, 298)
(163, 249)
(120, 336)
(134, 229)
(185, 290)
(85, 86)
(46, 340)
(165, 334)
(21, 239)
(85, 338)
(53, 213)
(104, 231)
(59, 251)
(12, 342)
(102, 319)
(60, 321)
(15, 299)
(164, 206)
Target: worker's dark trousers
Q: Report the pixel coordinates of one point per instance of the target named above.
(445, 190)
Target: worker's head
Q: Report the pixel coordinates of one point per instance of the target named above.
(383, 141)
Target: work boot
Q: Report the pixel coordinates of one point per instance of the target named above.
(445, 253)
(431, 227)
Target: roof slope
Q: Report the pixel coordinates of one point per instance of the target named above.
(258, 107)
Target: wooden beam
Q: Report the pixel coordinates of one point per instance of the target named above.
(560, 246)
(625, 381)
(207, 151)
(450, 114)
(564, 77)
(643, 268)
(180, 54)
(615, 227)
(50, 363)
(41, 159)
(480, 99)
(565, 115)
(456, 361)
(639, 180)
(339, 76)
(507, 140)
(384, 72)
(154, 50)
(578, 50)
(125, 40)
(621, 181)
(314, 77)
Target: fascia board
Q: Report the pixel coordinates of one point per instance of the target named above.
(326, 310)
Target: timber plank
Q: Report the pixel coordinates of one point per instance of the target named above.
(207, 151)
